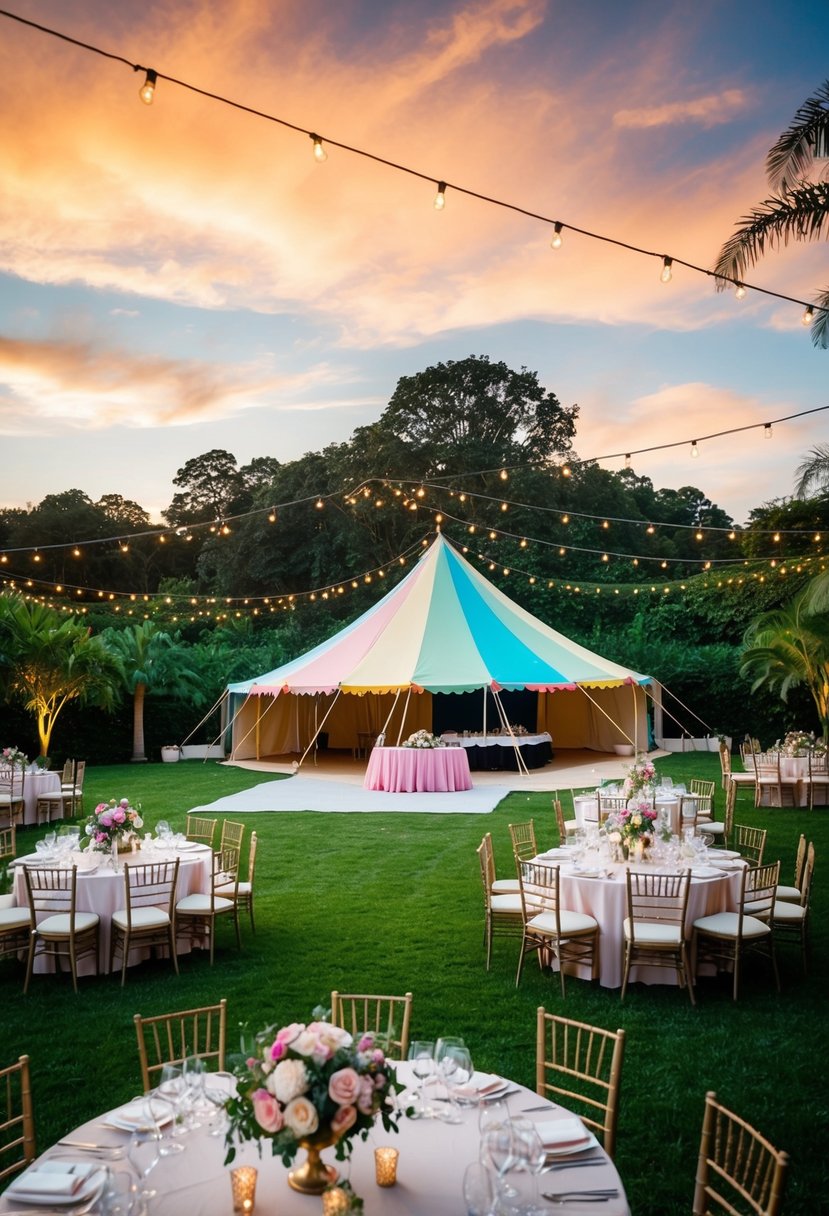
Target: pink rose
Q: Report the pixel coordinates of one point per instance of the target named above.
(105, 820)
(100, 808)
(301, 1117)
(118, 816)
(267, 1111)
(343, 1086)
(100, 837)
(379, 1080)
(124, 802)
(278, 1050)
(344, 1118)
(366, 1042)
(378, 1056)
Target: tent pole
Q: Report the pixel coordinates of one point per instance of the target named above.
(381, 738)
(606, 714)
(403, 719)
(484, 722)
(636, 722)
(519, 759)
(255, 725)
(258, 721)
(318, 729)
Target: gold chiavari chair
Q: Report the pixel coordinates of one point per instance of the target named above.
(738, 1170)
(581, 1065)
(385, 1016)
(170, 1038)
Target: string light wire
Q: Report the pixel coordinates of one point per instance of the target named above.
(668, 261)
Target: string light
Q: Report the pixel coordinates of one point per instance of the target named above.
(808, 315)
(740, 292)
(767, 431)
(147, 90)
(667, 274)
(694, 449)
(320, 153)
(557, 239)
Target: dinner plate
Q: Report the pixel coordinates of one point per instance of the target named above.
(578, 1137)
(727, 864)
(134, 1118)
(728, 854)
(88, 1191)
(705, 872)
(186, 845)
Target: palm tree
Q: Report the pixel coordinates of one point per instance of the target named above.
(799, 210)
(48, 661)
(789, 646)
(151, 661)
(813, 472)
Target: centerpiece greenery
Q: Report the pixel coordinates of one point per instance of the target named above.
(14, 757)
(633, 828)
(640, 776)
(112, 822)
(423, 738)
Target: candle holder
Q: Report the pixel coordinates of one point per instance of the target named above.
(243, 1182)
(385, 1166)
(335, 1202)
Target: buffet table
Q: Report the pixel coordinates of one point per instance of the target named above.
(433, 1158)
(490, 753)
(102, 890)
(418, 770)
(605, 898)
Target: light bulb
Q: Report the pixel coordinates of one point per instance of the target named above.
(320, 153)
(556, 240)
(147, 90)
(440, 197)
(694, 449)
(740, 293)
(808, 316)
(666, 274)
(767, 431)
(627, 460)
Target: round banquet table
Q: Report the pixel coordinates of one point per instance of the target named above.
(418, 770)
(431, 1166)
(102, 891)
(605, 899)
(36, 785)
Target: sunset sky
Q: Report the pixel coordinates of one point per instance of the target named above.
(183, 276)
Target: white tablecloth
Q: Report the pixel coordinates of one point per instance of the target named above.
(433, 1158)
(103, 892)
(605, 899)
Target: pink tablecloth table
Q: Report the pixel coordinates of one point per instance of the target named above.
(418, 770)
(103, 892)
(36, 785)
(605, 899)
(433, 1158)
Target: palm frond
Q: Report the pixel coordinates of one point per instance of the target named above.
(801, 214)
(791, 157)
(820, 325)
(813, 472)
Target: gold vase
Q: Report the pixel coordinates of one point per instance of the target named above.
(313, 1176)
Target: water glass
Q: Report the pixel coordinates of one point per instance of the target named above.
(422, 1056)
(479, 1190)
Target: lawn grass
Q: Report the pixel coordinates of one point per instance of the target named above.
(390, 903)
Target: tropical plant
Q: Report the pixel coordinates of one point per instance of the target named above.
(790, 646)
(813, 472)
(799, 210)
(48, 660)
(151, 661)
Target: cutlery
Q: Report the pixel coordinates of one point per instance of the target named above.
(88, 1147)
(528, 1110)
(552, 1165)
(572, 1196)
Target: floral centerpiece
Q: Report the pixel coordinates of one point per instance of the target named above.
(423, 738)
(311, 1086)
(799, 743)
(640, 775)
(14, 757)
(112, 823)
(633, 828)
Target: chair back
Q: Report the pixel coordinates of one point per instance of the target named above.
(232, 835)
(725, 765)
(523, 840)
(226, 872)
(559, 814)
(582, 1065)
(807, 875)
(487, 861)
(386, 1016)
(704, 791)
(169, 1038)
(800, 862)
(68, 774)
(687, 812)
(8, 846)
(657, 898)
(750, 843)
(80, 772)
(51, 892)
(760, 890)
(152, 885)
(17, 1124)
(539, 883)
(738, 1170)
(202, 830)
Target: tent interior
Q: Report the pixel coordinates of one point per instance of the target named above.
(594, 718)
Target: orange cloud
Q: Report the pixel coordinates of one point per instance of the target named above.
(708, 111)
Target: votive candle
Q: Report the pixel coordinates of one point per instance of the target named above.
(334, 1202)
(385, 1166)
(243, 1182)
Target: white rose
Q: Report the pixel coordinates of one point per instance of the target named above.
(288, 1080)
(301, 1115)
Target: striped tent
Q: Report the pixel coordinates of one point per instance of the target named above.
(444, 629)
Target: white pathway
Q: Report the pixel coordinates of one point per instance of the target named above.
(312, 794)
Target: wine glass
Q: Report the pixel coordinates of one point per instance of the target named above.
(422, 1056)
(144, 1155)
(171, 1091)
(491, 1113)
(529, 1155)
(192, 1071)
(455, 1066)
(497, 1153)
(478, 1190)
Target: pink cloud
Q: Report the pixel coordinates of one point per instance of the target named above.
(708, 111)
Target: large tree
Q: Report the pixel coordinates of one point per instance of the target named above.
(48, 660)
(472, 414)
(799, 211)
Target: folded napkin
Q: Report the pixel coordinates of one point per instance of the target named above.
(139, 1115)
(562, 1133)
(51, 1178)
(480, 1085)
